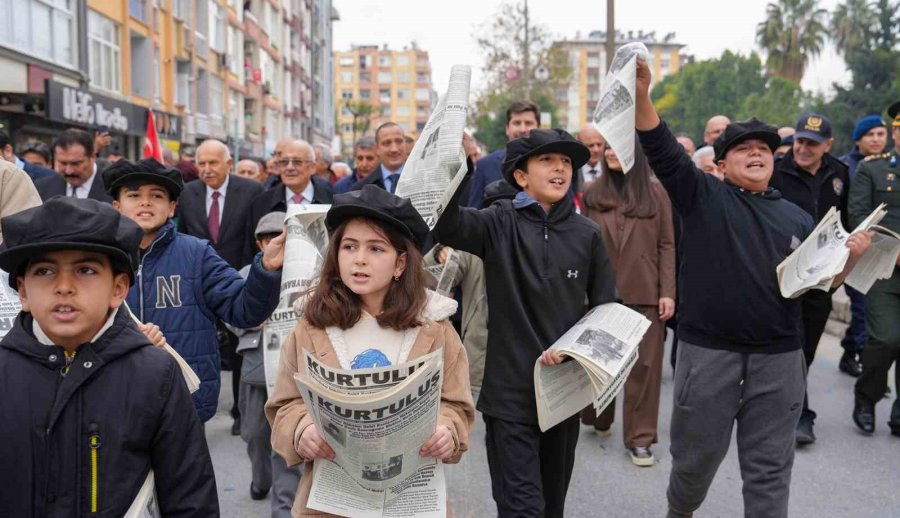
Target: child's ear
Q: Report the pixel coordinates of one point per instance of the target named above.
(172, 205)
(521, 178)
(23, 295)
(121, 285)
(401, 265)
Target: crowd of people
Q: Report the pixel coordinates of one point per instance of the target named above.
(111, 259)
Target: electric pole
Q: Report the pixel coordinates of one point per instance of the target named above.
(610, 33)
(527, 55)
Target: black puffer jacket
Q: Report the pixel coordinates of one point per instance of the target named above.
(82, 444)
(540, 269)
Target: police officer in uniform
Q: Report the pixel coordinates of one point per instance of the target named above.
(878, 181)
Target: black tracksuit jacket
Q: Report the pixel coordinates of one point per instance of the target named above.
(82, 444)
(542, 272)
(817, 193)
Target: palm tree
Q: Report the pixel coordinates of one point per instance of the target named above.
(794, 31)
(852, 26)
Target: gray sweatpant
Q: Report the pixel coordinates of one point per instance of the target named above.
(713, 389)
(268, 468)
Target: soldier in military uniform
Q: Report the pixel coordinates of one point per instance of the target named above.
(878, 181)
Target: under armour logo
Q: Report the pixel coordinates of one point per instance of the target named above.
(573, 274)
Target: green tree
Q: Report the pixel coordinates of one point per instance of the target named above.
(512, 44)
(792, 33)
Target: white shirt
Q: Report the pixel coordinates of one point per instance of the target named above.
(307, 194)
(221, 190)
(587, 176)
(82, 191)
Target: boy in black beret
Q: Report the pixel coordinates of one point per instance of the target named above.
(542, 261)
(182, 285)
(97, 406)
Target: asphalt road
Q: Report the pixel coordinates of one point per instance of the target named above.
(844, 474)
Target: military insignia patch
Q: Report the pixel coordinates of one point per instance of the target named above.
(838, 185)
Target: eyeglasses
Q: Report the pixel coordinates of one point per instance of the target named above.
(298, 162)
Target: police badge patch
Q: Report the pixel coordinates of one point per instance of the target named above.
(838, 185)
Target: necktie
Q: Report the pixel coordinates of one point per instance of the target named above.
(74, 191)
(214, 218)
(395, 179)
(592, 174)
(297, 198)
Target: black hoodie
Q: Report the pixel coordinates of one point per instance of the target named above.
(121, 410)
(731, 244)
(542, 272)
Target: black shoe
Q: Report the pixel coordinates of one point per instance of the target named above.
(804, 431)
(257, 494)
(849, 365)
(236, 426)
(864, 416)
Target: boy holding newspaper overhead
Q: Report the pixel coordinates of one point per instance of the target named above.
(93, 406)
(542, 262)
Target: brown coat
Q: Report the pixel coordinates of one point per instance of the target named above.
(641, 250)
(287, 413)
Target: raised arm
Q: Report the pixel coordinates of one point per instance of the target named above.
(464, 228)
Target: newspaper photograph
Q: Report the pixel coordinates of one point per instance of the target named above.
(614, 114)
(9, 304)
(878, 262)
(304, 249)
(145, 504)
(437, 164)
(822, 255)
(601, 348)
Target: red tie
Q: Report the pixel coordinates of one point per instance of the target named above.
(214, 217)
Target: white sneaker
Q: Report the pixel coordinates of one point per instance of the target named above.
(641, 456)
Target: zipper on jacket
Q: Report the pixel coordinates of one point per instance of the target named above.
(140, 276)
(94, 443)
(546, 247)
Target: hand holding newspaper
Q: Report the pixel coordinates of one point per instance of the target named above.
(824, 254)
(604, 347)
(375, 420)
(614, 114)
(190, 377)
(437, 164)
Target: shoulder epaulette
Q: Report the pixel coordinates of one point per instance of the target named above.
(878, 156)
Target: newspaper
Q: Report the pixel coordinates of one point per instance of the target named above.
(145, 504)
(449, 271)
(437, 164)
(304, 249)
(614, 114)
(879, 262)
(10, 306)
(822, 256)
(604, 347)
(376, 420)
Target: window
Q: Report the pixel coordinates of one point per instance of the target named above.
(235, 114)
(386, 110)
(365, 62)
(384, 95)
(217, 24)
(422, 111)
(346, 61)
(402, 94)
(42, 29)
(403, 77)
(384, 61)
(236, 53)
(183, 84)
(346, 77)
(137, 8)
(365, 77)
(181, 9)
(402, 60)
(421, 77)
(203, 93)
(201, 30)
(402, 111)
(157, 82)
(346, 94)
(423, 94)
(216, 96)
(103, 52)
(365, 94)
(384, 77)
(141, 78)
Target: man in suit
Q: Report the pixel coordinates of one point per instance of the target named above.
(590, 137)
(227, 197)
(73, 159)
(391, 154)
(366, 161)
(216, 208)
(274, 178)
(299, 184)
(34, 171)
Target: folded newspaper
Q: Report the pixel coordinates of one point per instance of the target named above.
(824, 254)
(10, 306)
(376, 420)
(437, 164)
(602, 347)
(304, 248)
(614, 114)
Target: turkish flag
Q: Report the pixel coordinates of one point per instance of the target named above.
(152, 149)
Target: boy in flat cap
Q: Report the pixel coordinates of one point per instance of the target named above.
(739, 350)
(542, 260)
(182, 285)
(95, 406)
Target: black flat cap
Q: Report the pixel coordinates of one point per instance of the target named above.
(894, 113)
(65, 223)
(739, 131)
(376, 203)
(539, 142)
(146, 171)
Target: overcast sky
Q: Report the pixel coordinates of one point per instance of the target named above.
(447, 29)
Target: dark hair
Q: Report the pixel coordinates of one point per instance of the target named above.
(37, 147)
(4, 139)
(636, 194)
(522, 107)
(332, 303)
(386, 125)
(75, 137)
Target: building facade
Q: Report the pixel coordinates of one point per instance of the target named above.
(375, 85)
(237, 70)
(587, 58)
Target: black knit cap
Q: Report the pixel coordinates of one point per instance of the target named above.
(376, 203)
(739, 131)
(894, 113)
(539, 142)
(146, 171)
(68, 223)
